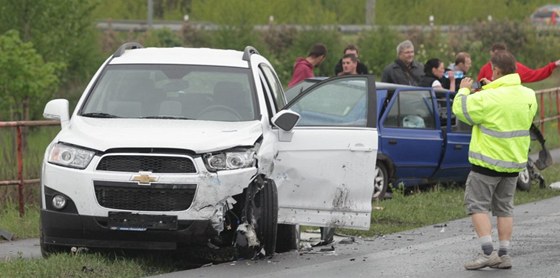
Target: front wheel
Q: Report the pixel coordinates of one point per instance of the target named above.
(524, 180)
(262, 218)
(380, 182)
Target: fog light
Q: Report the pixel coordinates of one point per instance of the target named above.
(59, 201)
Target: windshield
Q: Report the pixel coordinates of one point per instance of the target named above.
(172, 92)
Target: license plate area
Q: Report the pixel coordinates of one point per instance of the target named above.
(126, 221)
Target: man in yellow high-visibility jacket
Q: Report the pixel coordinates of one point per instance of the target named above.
(501, 115)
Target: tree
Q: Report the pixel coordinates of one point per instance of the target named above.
(25, 75)
(62, 31)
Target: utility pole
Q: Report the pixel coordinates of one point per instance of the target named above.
(150, 13)
(370, 12)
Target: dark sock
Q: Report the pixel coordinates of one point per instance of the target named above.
(504, 246)
(487, 248)
(502, 251)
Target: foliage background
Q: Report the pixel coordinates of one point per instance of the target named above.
(64, 34)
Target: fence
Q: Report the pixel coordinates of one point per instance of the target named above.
(549, 110)
(20, 182)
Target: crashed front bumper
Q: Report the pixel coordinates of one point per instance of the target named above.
(63, 229)
(85, 223)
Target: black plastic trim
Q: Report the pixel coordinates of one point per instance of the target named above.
(126, 46)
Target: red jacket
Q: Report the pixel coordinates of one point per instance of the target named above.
(302, 70)
(527, 74)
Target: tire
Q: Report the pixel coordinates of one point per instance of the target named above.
(262, 214)
(287, 238)
(327, 235)
(524, 180)
(381, 181)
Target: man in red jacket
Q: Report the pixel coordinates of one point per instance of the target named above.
(527, 74)
(303, 67)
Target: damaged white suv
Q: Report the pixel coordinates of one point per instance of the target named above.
(183, 147)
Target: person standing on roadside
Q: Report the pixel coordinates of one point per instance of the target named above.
(351, 49)
(303, 67)
(526, 74)
(349, 65)
(405, 70)
(501, 115)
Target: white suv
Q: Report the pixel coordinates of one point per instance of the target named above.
(171, 147)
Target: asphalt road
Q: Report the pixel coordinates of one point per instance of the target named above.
(434, 251)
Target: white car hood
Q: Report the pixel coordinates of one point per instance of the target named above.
(198, 136)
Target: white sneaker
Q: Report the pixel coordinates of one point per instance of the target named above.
(482, 261)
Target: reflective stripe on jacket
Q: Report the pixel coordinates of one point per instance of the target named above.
(501, 115)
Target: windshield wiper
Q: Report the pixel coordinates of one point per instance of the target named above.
(99, 115)
(168, 117)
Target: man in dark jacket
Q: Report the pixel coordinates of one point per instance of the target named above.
(404, 70)
(351, 49)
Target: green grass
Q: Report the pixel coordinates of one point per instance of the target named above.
(84, 265)
(21, 227)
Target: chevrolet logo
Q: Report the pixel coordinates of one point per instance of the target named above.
(144, 178)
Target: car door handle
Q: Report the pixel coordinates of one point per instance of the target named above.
(392, 141)
(458, 147)
(359, 147)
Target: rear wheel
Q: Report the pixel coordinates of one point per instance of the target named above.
(327, 235)
(381, 181)
(287, 238)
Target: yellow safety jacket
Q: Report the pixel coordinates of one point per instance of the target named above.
(501, 115)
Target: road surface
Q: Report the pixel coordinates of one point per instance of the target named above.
(434, 251)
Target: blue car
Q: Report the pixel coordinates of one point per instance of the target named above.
(420, 140)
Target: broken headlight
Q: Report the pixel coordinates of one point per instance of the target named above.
(230, 160)
(70, 156)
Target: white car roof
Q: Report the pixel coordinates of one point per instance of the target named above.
(182, 55)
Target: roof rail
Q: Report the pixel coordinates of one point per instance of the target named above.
(125, 46)
(249, 50)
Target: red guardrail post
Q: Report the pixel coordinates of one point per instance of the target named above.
(20, 170)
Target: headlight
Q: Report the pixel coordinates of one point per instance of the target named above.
(70, 156)
(229, 160)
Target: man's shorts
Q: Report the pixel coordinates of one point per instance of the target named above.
(486, 193)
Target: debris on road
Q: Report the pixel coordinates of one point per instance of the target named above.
(555, 185)
(6, 235)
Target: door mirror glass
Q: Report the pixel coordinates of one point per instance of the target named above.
(285, 120)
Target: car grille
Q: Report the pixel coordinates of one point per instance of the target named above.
(154, 164)
(155, 197)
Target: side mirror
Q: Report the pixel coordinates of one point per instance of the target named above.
(57, 109)
(286, 120)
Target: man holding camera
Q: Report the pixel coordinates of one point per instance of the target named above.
(501, 115)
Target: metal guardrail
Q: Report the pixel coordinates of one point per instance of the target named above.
(546, 97)
(176, 25)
